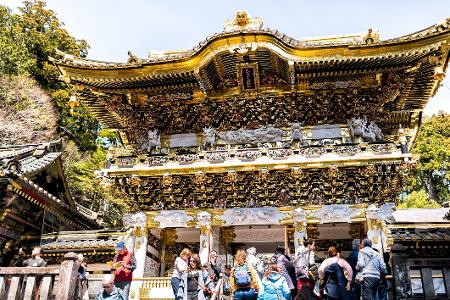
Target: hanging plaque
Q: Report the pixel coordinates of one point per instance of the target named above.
(248, 77)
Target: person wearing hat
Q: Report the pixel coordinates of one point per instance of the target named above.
(125, 264)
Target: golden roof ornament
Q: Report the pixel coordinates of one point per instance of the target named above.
(243, 21)
(132, 59)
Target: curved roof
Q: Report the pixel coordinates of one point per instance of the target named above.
(302, 49)
(399, 75)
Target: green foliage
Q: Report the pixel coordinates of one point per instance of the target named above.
(433, 148)
(418, 199)
(15, 59)
(45, 34)
(80, 169)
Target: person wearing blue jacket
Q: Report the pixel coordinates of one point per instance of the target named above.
(275, 285)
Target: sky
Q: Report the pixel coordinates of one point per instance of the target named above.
(112, 27)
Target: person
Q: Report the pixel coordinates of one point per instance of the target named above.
(109, 290)
(226, 289)
(36, 260)
(274, 285)
(222, 289)
(243, 279)
(195, 283)
(336, 274)
(125, 264)
(352, 261)
(287, 269)
(371, 265)
(306, 271)
(256, 263)
(82, 278)
(179, 267)
(214, 266)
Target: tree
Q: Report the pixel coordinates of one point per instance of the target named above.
(27, 41)
(27, 113)
(433, 148)
(80, 169)
(418, 199)
(45, 34)
(15, 59)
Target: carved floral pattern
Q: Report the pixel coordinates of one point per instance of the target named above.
(236, 113)
(294, 187)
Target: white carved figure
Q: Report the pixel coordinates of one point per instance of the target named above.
(267, 133)
(372, 133)
(357, 126)
(335, 213)
(136, 219)
(296, 132)
(172, 219)
(299, 215)
(372, 212)
(253, 216)
(386, 211)
(369, 133)
(209, 136)
(204, 218)
(151, 141)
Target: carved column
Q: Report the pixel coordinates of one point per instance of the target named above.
(373, 229)
(136, 241)
(204, 223)
(299, 229)
(377, 229)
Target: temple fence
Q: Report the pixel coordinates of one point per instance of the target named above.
(26, 283)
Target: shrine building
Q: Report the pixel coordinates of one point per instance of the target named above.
(255, 138)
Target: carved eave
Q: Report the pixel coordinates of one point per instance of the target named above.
(26, 188)
(325, 160)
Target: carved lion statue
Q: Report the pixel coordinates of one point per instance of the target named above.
(372, 133)
(357, 126)
(151, 141)
(209, 136)
(296, 132)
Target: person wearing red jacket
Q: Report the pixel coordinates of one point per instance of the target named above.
(125, 264)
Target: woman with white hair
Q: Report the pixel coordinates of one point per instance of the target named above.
(36, 260)
(82, 278)
(256, 263)
(109, 291)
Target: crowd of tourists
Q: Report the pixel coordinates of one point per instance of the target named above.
(282, 276)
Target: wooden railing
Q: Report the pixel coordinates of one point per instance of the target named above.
(156, 288)
(59, 283)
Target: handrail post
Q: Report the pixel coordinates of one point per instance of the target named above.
(68, 277)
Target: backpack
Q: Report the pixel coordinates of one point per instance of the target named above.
(132, 262)
(242, 276)
(226, 287)
(336, 273)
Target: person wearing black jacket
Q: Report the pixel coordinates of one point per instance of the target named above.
(352, 259)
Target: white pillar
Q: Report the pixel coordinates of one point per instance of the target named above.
(136, 241)
(204, 223)
(374, 229)
(300, 234)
